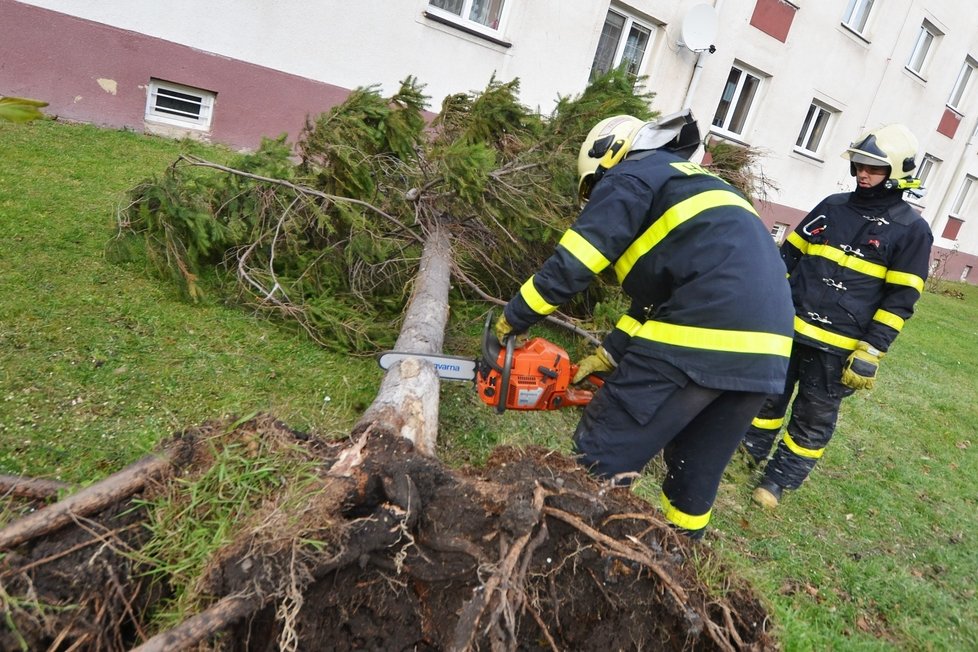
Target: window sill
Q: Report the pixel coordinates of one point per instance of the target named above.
(916, 75)
(173, 122)
(853, 32)
(464, 28)
(728, 136)
(808, 154)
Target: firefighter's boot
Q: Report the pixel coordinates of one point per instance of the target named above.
(768, 494)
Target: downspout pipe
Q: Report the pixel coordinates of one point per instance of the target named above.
(698, 66)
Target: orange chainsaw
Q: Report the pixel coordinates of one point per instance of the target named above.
(533, 376)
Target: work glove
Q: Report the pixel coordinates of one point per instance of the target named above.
(598, 362)
(859, 371)
(504, 330)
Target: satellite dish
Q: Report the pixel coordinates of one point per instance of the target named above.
(699, 28)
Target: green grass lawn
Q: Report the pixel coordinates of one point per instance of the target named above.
(101, 361)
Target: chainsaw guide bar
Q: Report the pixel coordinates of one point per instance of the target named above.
(448, 367)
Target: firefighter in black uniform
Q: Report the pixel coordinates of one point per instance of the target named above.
(708, 334)
(857, 265)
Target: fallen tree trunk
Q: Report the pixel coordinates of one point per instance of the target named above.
(407, 401)
(406, 405)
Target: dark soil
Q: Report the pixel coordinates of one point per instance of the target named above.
(528, 553)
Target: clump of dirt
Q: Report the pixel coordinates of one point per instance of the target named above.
(390, 550)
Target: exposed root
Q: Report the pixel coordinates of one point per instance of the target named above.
(386, 549)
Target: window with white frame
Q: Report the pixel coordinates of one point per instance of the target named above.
(961, 84)
(962, 197)
(481, 15)
(624, 42)
(813, 129)
(927, 169)
(778, 232)
(965, 272)
(737, 100)
(922, 47)
(856, 15)
(178, 105)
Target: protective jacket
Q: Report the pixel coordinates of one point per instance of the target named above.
(857, 265)
(708, 290)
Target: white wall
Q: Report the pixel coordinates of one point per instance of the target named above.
(371, 41)
(553, 44)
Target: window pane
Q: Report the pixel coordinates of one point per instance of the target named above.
(962, 196)
(926, 167)
(821, 119)
(177, 103)
(604, 58)
(453, 6)
(635, 46)
(805, 126)
(486, 12)
(744, 103)
(728, 93)
(920, 49)
(960, 85)
(857, 15)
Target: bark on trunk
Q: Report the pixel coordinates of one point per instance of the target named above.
(407, 402)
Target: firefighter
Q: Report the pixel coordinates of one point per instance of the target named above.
(857, 265)
(708, 333)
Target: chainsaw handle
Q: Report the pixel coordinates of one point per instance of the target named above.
(595, 380)
(490, 345)
(504, 377)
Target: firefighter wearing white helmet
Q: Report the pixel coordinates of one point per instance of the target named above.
(857, 265)
(708, 333)
(892, 146)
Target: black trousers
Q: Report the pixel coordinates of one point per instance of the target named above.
(814, 414)
(647, 406)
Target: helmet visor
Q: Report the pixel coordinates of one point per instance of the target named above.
(864, 159)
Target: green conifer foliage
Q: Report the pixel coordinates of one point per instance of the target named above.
(328, 233)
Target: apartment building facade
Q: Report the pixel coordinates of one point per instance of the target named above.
(797, 79)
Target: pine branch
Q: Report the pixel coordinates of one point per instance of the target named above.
(304, 190)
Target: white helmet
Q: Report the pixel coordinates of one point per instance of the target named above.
(891, 146)
(606, 144)
(613, 138)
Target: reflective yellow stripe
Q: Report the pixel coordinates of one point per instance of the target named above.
(798, 241)
(767, 424)
(822, 335)
(812, 454)
(716, 339)
(628, 324)
(842, 259)
(584, 251)
(682, 519)
(893, 321)
(533, 299)
(672, 218)
(904, 278)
